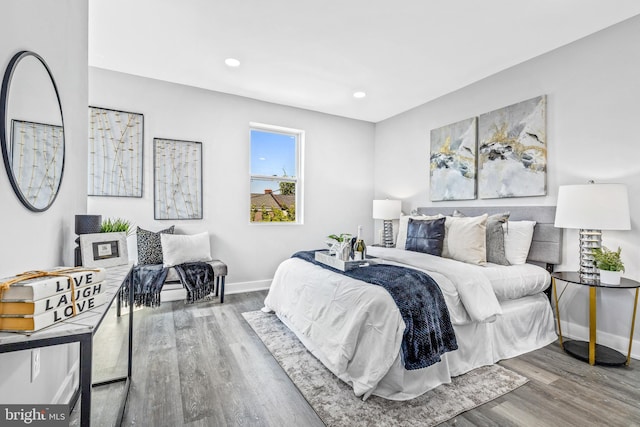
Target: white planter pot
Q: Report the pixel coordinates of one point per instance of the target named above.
(610, 277)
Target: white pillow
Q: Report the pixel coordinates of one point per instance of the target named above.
(132, 248)
(181, 248)
(517, 240)
(465, 239)
(401, 240)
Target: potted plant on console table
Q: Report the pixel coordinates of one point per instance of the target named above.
(609, 264)
(116, 225)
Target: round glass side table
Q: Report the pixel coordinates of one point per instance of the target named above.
(592, 352)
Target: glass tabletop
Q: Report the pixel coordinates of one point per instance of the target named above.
(574, 277)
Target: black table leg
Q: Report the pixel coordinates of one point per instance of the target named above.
(86, 349)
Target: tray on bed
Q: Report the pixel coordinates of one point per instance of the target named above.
(338, 264)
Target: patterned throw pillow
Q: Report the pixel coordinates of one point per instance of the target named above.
(150, 246)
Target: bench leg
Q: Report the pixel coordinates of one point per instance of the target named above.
(222, 290)
(119, 304)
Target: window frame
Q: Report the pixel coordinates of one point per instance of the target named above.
(299, 135)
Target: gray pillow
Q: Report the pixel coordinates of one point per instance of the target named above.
(426, 236)
(495, 237)
(150, 246)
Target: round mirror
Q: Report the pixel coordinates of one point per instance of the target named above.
(32, 130)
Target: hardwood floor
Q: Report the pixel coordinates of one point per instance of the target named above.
(202, 365)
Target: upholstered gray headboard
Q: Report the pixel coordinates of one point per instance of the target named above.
(546, 246)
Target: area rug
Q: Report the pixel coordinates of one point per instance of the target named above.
(336, 404)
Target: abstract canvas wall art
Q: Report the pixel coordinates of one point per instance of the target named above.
(177, 171)
(115, 153)
(512, 152)
(453, 161)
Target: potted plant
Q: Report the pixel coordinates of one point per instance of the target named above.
(610, 265)
(116, 225)
(341, 246)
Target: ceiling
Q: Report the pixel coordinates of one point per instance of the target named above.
(316, 54)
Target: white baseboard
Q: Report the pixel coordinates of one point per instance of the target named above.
(68, 386)
(239, 287)
(621, 344)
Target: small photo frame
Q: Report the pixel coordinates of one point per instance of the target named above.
(104, 249)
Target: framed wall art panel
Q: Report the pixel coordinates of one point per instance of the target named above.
(116, 140)
(37, 160)
(512, 153)
(453, 161)
(177, 171)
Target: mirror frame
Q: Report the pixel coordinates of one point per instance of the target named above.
(4, 131)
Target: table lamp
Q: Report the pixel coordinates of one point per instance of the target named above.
(387, 210)
(592, 208)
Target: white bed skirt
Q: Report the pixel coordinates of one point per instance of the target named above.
(526, 324)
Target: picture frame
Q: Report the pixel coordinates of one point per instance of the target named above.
(116, 153)
(512, 150)
(36, 156)
(177, 176)
(104, 249)
(452, 161)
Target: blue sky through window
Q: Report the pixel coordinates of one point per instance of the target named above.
(271, 154)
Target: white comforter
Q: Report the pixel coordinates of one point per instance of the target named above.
(355, 328)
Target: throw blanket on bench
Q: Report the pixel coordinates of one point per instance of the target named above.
(147, 282)
(429, 332)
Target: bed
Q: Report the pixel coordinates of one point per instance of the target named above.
(356, 330)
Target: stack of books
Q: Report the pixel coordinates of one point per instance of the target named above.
(33, 304)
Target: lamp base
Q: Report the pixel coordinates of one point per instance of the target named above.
(589, 240)
(387, 233)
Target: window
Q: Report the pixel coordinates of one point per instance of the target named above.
(276, 182)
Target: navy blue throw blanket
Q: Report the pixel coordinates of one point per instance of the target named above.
(197, 278)
(147, 282)
(428, 333)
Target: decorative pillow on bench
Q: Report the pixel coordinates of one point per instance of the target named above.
(150, 246)
(181, 248)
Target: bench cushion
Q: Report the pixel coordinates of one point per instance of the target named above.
(219, 267)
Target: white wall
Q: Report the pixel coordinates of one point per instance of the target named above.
(338, 170)
(58, 32)
(592, 114)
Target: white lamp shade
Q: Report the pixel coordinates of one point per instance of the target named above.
(593, 207)
(387, 209)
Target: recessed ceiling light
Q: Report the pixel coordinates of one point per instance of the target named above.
(232, 62)
(359, 94)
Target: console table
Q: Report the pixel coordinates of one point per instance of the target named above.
(81, 329)
(591, 352)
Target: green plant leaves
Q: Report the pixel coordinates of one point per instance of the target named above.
(607, 259)
(115, 225)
